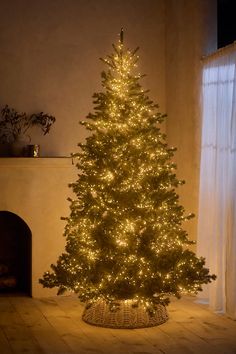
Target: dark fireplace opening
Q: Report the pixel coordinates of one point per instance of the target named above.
(15, 255)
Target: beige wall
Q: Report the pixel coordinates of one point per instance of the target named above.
(190, 34)
(49, 57)
(49, 52)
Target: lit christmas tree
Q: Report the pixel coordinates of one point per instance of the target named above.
(124, 238)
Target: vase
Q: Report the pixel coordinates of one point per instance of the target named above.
(125, 316)
(5, 150)
(18, 146)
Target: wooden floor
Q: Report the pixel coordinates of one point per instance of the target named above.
(54, 326)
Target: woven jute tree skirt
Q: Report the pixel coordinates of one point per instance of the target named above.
(125, 316)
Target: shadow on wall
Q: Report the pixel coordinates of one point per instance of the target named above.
(15, 255)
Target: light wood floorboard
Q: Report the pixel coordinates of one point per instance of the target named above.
(54, 326)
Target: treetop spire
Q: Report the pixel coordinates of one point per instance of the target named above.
(121, 35)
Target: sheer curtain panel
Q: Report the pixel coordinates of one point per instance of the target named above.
(217, 195)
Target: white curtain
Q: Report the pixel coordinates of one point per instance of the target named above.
(217, 198)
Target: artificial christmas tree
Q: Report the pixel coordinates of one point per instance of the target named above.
(125, 247)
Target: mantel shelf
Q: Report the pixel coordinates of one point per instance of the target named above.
(36, 161)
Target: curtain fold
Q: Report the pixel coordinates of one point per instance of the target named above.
(217, 193)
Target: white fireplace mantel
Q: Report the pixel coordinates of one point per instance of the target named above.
(36, 189)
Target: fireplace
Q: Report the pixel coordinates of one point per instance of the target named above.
(34, 194)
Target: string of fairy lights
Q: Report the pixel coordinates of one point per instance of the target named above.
(124, 236)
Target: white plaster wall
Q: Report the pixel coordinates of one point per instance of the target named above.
(36, 190)
(49, 57)
(190, 33)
